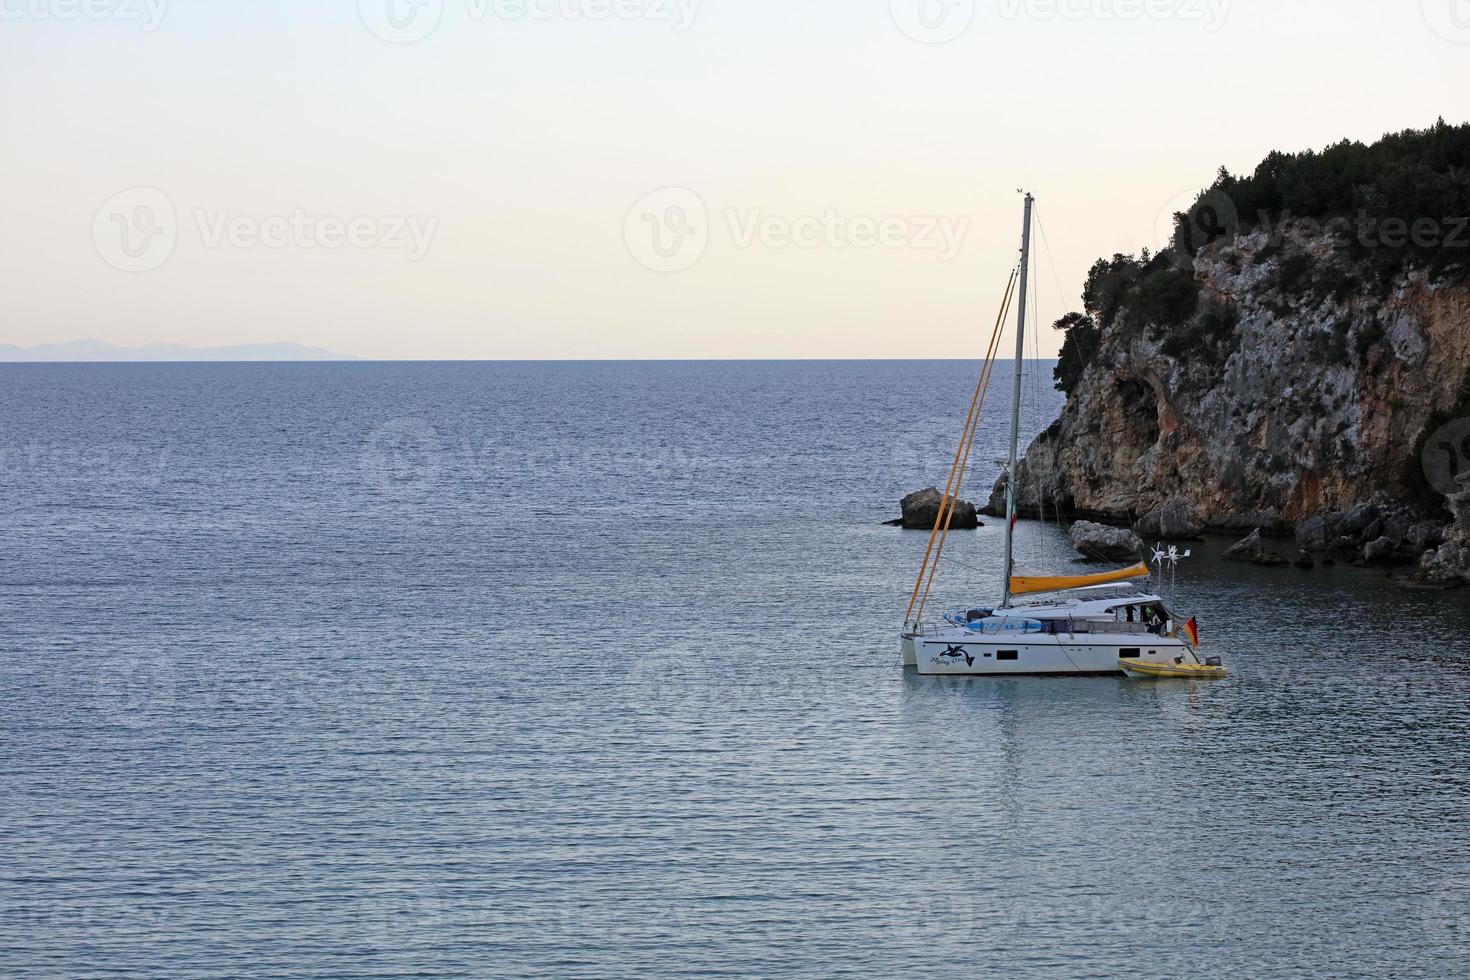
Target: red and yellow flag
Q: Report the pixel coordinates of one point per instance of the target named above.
(1191, 632)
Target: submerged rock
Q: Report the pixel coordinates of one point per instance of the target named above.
(1249, 549)
(1318, 533)
(1108, 543)
(1380, 551)
(1305, 561)
(921, 512)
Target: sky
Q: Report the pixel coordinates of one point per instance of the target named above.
(584, 179)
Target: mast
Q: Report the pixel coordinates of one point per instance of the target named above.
(1016, 405)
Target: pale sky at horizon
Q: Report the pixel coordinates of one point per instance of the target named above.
(488, 190)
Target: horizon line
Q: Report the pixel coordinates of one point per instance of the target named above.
(756, 359)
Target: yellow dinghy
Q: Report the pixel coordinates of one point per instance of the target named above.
(1196, 671)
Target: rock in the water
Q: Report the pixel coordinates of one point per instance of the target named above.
(1269, 560)
(1425, 536)
(921, 512)
(1380, 551)
(1318, 533)
(1359, 519)
(1249, 549)
(1109, 543)
(1448, 566)
(1305, 561)
(1175, 521)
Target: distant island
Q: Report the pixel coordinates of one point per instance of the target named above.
(99, 350)
(1297, 361)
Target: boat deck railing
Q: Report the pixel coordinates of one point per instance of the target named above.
(1083, 626)
(1054, 626)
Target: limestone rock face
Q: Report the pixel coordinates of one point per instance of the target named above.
(921, 512)
(1449, 564)
(1108, 543)
(1301, 409)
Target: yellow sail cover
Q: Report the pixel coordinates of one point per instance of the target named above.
(1031, 584)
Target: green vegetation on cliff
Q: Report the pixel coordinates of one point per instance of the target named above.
(1404, 200)
(1401, 203)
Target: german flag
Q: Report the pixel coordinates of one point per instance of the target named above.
(1191, 632)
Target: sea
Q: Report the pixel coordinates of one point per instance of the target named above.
(592, 670)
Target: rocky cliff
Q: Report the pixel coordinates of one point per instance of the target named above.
(1279, 374)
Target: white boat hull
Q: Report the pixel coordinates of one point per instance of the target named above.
(967, 655)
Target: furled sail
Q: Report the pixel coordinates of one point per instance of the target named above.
(1032, 584)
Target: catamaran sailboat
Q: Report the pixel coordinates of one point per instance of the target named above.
(1103, 624)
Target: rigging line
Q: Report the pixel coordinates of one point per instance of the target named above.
(1039, 389)
(1062, 300)
(969, 442)
(969, 568)
(1032, 389)
(1056, 278)
(1028, 547)
(951, 489)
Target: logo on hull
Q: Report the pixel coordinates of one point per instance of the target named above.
(956, 653)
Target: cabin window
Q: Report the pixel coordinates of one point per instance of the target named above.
(1128, 653)
(1008, 655)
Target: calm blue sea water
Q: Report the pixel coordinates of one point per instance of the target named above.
(576, 670)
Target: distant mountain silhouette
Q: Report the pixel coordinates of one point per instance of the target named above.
(100, 350)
